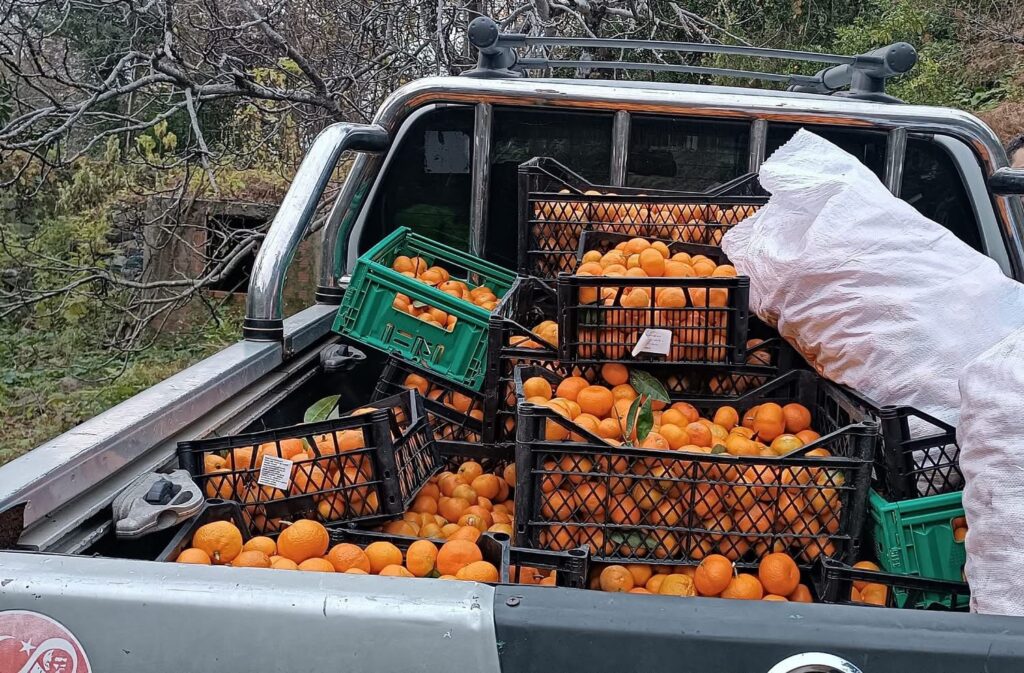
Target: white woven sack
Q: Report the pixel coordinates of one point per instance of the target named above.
(875, 295)
(990, 436)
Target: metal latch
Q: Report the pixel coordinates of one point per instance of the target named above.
(155, 501)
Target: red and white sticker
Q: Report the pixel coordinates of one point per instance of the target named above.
(33, 643)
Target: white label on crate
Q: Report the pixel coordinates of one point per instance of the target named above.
(275, 472)
(656, 341)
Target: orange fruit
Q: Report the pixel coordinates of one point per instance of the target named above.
(382, 554)
(316, 565)
(801, 594)
(796, 417)
(640, 572)
(864, 565)
(509, 474)
(775, 597)
(614, 374)
(356, 571)
(194, 555)
(466, 492)
(874, 594)
(727, 417)
(302, 540)
(346, 555)
(713, 575)
(570, 387)
(424, 504)
(395, 570)
(677, 585)
(654, 583)
(784, 444)
(595, 400)
(778, 574)
(616, 578)
(282, 563)
(455, 555)
(486, 485)
(769, 422)
(746, 587)
(221, 540)
(537, 386)
(253, 558)
(452, 509)
(467, 533)
(652, 262)
(959, 534)
(469, 471)
(261, 543)
(699, 434)
(420, 557)
(478, 571)
(674, 435)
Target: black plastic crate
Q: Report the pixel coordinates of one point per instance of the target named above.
(361, 467)
(512, 342)
(556, 206)
(490, 456)
(455, 413)
(834, 581)
(919, 455)
(595, 324)
(571, 565)
(680, 506)
(213, 510)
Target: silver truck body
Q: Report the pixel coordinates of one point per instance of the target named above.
(136, 614)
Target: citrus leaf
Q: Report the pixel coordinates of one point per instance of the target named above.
(646, 385)
(321, 410)
(717, 448)
(645, 420)
(631, 416)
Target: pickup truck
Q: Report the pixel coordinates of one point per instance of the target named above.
(441, 156)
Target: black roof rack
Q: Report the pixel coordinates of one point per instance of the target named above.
(864, 74)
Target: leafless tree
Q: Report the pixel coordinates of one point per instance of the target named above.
(181, 91)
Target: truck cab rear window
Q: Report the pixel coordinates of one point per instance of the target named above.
(685, 154)
(427, 183)
(581, 141)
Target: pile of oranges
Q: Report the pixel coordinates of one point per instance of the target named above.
(546, 330)
(439, 277)
(624, 308)
(777, 579)
(870, 593)
(461, 505)
(305, 545)
(467, 405)
(673, 507)
(337, 473)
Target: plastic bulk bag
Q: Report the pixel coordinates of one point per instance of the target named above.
(990, 436)
(873, 294)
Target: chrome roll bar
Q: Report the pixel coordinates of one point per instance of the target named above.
(264, 314)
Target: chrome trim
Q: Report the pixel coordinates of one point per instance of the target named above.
(621, 124)
(345, 211)
(145, 616)
(895, 153)
(119, 441)
(721, 102)
(483, 118)
(264, 304)
(758, 145)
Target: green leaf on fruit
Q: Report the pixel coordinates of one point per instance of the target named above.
(645, 420)
(647, 386)
(321, 410)
(717, 448)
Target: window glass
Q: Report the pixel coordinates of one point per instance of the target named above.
(685, 154)
(427, 183)
(581, 141)
(868, 146)
(932, 184)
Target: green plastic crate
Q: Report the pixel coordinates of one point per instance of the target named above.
(915, 537)
(366, 313)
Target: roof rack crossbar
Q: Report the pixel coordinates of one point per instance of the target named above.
(519, 40)
(535, 64)
(864, 74)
